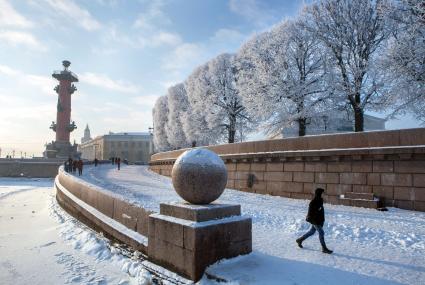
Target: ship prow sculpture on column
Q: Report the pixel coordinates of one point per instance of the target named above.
(61, 147)
(188, 236)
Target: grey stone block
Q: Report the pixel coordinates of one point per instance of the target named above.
(199, 213)
(188, 247)
(164, 230)
(125, 213)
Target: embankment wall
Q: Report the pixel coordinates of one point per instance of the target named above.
(28, 168)
(389, 164)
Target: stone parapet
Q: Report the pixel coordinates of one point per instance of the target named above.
(95, 219)
(28, 168)
(131, 216)
(375, 139)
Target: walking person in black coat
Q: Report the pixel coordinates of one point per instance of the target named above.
(316, 217)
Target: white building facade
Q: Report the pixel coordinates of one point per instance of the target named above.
(335, 122)
(135, 147)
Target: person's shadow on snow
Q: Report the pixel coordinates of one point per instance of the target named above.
(259, 268)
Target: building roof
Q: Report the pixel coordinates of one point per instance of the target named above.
(129, 134)
(370, 117)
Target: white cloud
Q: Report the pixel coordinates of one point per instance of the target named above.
(9, 17)
(186, 55)
(142, 39)
(8, 71)
(101, 80)
(145, 100)
(253, 10)
(152, 17)
(227, 35)
(17, 38)
(165, 38)
(148, 32)
(75, 14)
(111, 3)
(104, 50)
(43, 83)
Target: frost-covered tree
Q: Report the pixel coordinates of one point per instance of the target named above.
(160, 118)
(404, 60)
(281, 77)
(226, 110)
(195, 124)
(211, 91)
(354, 32)
(177, 106)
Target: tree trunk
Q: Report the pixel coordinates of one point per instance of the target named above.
(232, 128)
(302, 121)
(302, 125)
(358, 120)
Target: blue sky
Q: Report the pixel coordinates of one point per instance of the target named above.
(126, 54)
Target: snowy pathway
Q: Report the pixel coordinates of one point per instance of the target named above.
(371, 247)
(40, 244)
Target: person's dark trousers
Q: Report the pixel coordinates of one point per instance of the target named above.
(311, 232)
(80, 172)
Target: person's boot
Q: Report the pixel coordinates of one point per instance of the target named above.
(326, 250)
(299, 242)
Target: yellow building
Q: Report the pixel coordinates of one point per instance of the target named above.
(133, 146)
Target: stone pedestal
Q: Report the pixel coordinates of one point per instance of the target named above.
(186, 238)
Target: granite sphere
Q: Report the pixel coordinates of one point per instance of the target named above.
(199, 176)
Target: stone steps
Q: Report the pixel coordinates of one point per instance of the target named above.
(357, 195)
(365, 200)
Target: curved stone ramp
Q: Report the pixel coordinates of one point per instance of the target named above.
(114, 217)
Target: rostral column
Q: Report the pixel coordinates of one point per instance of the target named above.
(62, 148)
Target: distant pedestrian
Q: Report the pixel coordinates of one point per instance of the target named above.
(80, 167)
(65, 166)
(316, 217)
(96, 161)
(74, 166)
(118, 163)
(113, 160)
(70, 161)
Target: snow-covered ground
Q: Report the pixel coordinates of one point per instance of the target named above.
(370, 247)
(41, 244)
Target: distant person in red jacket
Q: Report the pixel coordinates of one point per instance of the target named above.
(80, 167)
(119, 162)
